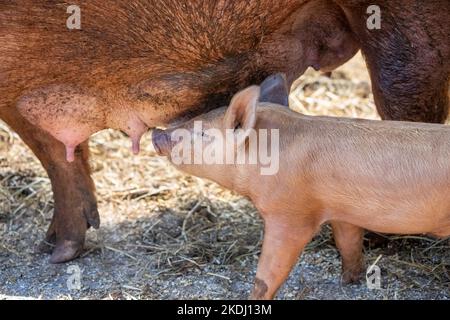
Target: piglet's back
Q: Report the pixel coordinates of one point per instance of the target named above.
(391, 177)
(380, 147)
(389, 170)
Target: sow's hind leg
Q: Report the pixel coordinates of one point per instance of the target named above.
(73, 189)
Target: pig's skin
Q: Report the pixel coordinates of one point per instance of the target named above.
(133, 56)
(138, 64)
(384, 176)
(408, 58)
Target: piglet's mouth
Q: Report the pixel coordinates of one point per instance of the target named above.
(161, 142)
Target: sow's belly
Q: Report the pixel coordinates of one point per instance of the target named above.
(72, 115)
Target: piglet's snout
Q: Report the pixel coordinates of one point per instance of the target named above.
(161, 142)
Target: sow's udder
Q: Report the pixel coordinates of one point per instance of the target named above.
(72, 117)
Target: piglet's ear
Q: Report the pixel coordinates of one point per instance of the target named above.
(275, 90)
(242, 110)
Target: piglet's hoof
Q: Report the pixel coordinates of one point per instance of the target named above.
(65, 251)
(352, 277)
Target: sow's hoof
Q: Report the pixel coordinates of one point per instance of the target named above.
(66, 251)
(63, 250)
(45, 247)
(66, 242)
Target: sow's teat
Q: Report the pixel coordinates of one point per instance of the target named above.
(70, 153)
(135, 145)
(71, 117)
(136, 128)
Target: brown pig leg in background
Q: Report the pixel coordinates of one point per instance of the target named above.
(349, 241)
(408, 60)
(408, 57)
(283, 243)
(75, 203)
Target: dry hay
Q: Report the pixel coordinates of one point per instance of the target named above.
(162, 230)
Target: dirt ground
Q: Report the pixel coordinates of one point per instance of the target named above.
(165, 235)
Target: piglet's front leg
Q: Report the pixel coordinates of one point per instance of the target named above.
(284, 241)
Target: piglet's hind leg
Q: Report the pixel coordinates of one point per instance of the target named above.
(349, 241)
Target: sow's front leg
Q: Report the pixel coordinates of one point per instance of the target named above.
(73, 189)
(407, 56)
